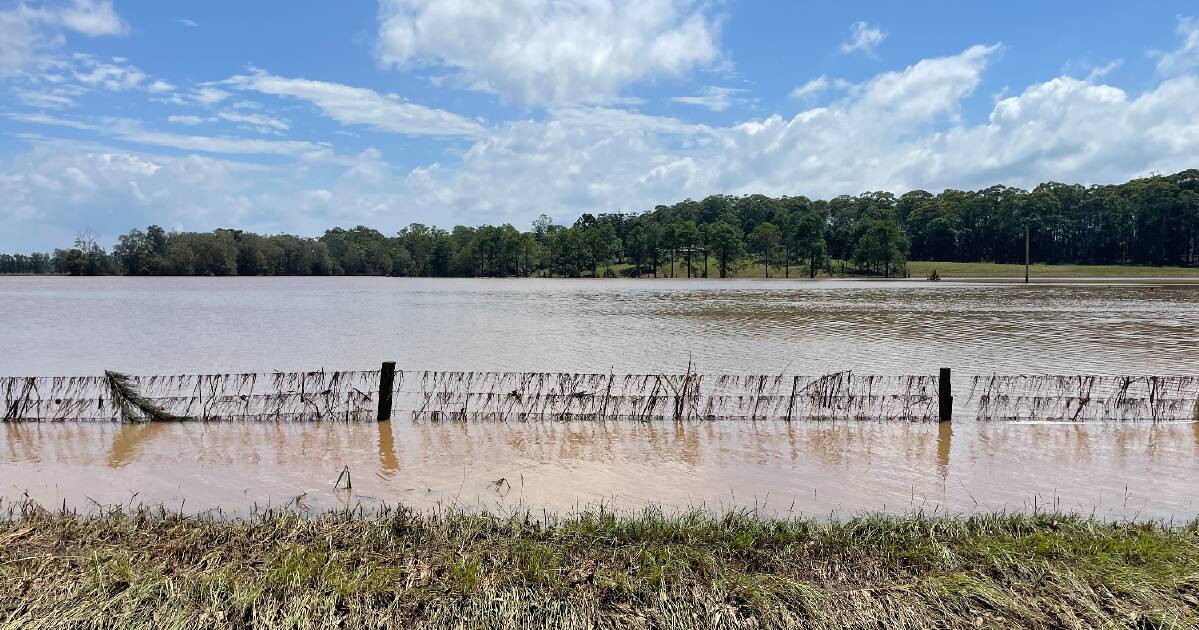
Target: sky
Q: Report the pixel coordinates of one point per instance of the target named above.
(298, 116)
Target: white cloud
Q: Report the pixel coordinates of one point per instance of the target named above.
(811, 88)
(1098, 72)
(209, 95)
(92, 18)
(57, 188)
(925, 89)
(1185, 58)
(131, 131)
(20, 38)
(188, 23)
(28, 31)
(44, 99)
(159, 87)
(115, 76)
(260, 122)
(712, 97)
(623, 120)
(863, 37)
(189, 120)
(542, 52)
(60, 186)
(359, 106)
(205, 95)
(897, 131)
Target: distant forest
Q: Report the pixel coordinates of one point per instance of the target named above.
(1150, 221)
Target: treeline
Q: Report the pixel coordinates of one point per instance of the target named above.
(1150, 221)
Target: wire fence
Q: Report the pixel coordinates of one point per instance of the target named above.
(1082, 398)
(354, 396)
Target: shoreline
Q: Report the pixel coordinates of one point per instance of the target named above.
(918, 269)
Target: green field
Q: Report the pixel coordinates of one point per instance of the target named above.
(919, 269)
(596, 569)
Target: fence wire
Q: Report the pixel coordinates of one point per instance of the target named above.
(352, 396)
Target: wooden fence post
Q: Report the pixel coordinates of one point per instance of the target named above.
(944, 396)
(386, 381)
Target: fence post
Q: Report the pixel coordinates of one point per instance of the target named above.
(944, 396)
(386, 381)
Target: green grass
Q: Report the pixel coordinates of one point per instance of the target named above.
(921, 269)
(150, 569)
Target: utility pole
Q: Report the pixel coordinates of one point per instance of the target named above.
(1026, 252)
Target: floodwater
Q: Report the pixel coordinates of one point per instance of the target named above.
(68, 326)
(812, 468)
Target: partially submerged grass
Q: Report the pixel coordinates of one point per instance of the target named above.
(147, 568)
(921, 268)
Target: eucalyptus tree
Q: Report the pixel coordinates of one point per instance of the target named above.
(724, 239)
(765, 239)
(1148, 221)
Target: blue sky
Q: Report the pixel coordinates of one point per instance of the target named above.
(297, 116)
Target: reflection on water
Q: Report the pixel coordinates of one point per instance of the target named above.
(389, 463)
(62, 326)
(944, 444)
(172, 325)
(129, 440)
(1117, 471)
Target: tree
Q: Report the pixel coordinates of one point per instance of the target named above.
(883, 244)
(541, 226)
(86, 258)
(1150, 221)
(601, 244)
(725, 242)
(686, 238)
(765, 238)
(638, 248)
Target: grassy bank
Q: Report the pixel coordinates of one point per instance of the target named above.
(594, 569)
(920, 269)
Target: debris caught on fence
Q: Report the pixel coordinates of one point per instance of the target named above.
(352, 396)
(1087, 397)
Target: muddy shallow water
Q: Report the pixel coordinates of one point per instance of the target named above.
(1116, 471)
(64, 326)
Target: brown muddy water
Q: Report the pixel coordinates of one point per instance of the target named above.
(65, 326)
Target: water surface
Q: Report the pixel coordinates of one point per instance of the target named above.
(62, 326)
(66, 326)
(1115, 471)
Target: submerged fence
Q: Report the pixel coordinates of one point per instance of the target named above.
(458, 396)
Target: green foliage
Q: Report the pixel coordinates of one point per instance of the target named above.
(1150, 221)
(882, 247)
(725, 242)
(765, 240)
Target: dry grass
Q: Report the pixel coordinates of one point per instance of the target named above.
(147, 568)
